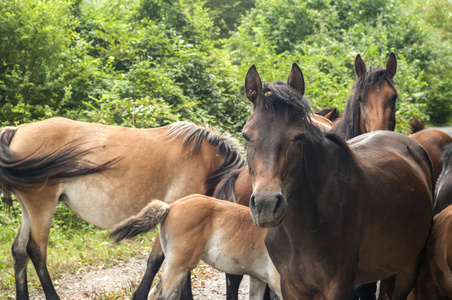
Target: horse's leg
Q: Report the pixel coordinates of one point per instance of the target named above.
(20, 256)
(40, 210)
(366, 291)
(272, 295)
(386, 288)
(339, 289)
(171, 284)
(232, 286)
(154, 263)
(257, 289)
(186, 293)
(405, 281)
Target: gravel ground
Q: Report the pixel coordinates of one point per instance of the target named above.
(96, 283)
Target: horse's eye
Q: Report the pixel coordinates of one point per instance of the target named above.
(394, 98)
(245, 137)
(299, 137)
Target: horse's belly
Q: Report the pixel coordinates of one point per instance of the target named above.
(224, 254)
(100, 205)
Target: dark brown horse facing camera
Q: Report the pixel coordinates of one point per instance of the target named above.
(337, 213)
(370, 107)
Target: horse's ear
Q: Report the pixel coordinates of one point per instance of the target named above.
(296, 79)
(332, 115)
(391, 65)
(253, 84)
(360, 66)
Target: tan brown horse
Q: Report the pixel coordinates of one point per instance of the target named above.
(197, 227)
(367, 220)
(103, 173)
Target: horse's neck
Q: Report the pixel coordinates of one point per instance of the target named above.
(348, 126)
(324, 185)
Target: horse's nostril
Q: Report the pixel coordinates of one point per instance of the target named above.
(252, 202)
(278, 203)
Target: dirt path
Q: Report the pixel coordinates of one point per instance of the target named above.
(99, 282)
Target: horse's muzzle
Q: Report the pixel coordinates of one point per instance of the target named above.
(267, 210)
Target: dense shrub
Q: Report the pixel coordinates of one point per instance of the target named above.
(151, 62)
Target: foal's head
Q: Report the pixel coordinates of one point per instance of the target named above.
(275, 133)
(371, 106)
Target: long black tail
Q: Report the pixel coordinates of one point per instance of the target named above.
(226, 146)
(18, 173)
(154, 213)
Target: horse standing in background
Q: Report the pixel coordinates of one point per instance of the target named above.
(434, 141)
(435, 275)
(102, 173)
(324, 227)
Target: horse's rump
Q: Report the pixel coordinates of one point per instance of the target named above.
(36, 170)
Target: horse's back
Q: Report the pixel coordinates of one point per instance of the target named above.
(397, 208)
(151, 166)
(200, 211)
(48, 135)
(434, 141)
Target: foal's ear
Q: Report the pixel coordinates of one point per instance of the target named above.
(391, 65)
(253, 84)
(296, 79)
(360, 66)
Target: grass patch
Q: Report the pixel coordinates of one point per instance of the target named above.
(74, 245)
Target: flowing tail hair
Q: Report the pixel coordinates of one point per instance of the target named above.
(33, 171)
(154, 213)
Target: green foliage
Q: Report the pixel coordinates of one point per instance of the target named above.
(226, 15)
(324, 36)
(151, 62)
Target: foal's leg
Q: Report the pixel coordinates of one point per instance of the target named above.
(39, 209)
(170, 286)
(154, 263)
(257, 289)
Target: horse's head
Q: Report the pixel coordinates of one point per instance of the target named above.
(274, 134)
(375, 94)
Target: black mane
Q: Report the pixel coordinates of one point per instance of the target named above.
(447, 161)
(447, 155)
(348, 127)
(280, 94)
